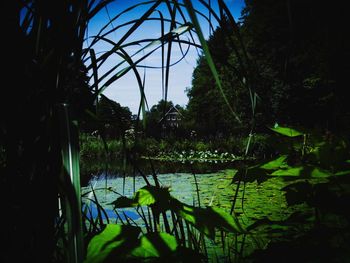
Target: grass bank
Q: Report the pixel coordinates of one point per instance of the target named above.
(172, 148)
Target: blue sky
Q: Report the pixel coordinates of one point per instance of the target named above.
(125, 90)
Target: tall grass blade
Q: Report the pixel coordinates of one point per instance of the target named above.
(99, 34)
(197, 187)
(168, 57)
(142, 19)
(70, 158)
(97, 8)
(95, 74)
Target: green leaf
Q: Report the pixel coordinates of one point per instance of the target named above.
(206, 220)
(286, 131)
(158, 197)
(275, 164)
(105, 246)
(149, 195)
(198, 218)
(71, 177)
(145, 197)
(320, 173)
(225, 221)
(291, 171)
(340, 173)
(155, 245)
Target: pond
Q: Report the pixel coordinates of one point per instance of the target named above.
(92, 168)
(254, 202)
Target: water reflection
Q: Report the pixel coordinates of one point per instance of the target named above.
(93, 213)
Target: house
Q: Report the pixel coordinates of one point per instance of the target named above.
(171, 120)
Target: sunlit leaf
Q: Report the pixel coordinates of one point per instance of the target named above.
(292, 171)
(110, 240)
(286, 131)
(149, 195)
(317, 172)
(279, 162)
(145, 197)
(187, 213)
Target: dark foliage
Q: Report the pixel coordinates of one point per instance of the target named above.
(298, 51)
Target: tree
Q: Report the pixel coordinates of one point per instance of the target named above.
(206, 105)
(300, 47)
(115, 119)
(297, 51)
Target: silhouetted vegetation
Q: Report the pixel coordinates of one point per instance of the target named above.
(297, 52)
(268, 97)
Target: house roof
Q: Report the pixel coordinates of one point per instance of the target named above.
(170, 111)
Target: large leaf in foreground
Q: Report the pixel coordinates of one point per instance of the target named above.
(207, 220)
(154, 245)
(105, 247)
